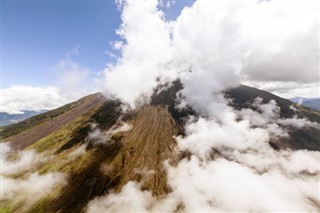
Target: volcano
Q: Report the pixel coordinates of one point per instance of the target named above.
(100, 147)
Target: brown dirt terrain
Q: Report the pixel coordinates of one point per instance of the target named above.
(146, 146)
(31, 136)
(136, 155)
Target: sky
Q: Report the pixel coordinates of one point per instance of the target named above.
(37, 35)
(210, 46)
(64, 50)
(48, 44)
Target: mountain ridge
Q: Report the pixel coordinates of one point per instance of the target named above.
(313, 103)
(102, 147)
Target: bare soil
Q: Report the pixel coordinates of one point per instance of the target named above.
(137, 155)
(31, 136)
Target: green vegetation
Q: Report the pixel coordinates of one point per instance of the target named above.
(12, 205)
(94, 170)
(14, 129)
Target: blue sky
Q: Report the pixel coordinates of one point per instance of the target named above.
(36, 35)
(59, 48)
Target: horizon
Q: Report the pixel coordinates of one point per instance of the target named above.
(64, 50)
(175, 127)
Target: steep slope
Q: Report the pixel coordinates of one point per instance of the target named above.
(126, 156)
(34, 121)
(313, 103)
(101, 148)
(243, 96)
(146, 146)
(305, 138)
(7, 119)
(33, 129)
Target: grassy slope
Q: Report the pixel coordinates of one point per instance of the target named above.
(14, 129)
(64, 160)
(40, 131)
(146, 146)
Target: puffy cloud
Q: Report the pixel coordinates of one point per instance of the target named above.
(121, 127)
(282, 37)
(216, 135)
(231, 168)
(145, 50)
(288, 89)
(247, 40)
(74, 79)
(224, 185)
(26, 160)
(211, 46)
(71, 74)
(79, 151)
(30, 187)
(269, 117)
(73, 83)
(15, 99)
(265, 41)
(130, 199)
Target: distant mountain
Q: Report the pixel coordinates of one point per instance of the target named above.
(71, 135)
(313, 103)
(7, 119)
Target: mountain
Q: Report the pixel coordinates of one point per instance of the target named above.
(37, 127)
(7, 119)
(243, 96)
(313, 103)
(102, 146)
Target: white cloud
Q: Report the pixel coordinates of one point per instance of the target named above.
(279, 44)
(35, 185)
(31, 186)
(269, 114)
(117, 45)
(216, 135)
(75, 79)
(71, 74)
(245, 40)
(232, 167)
(144, 53)
(77, 152)
(211, 46)
(74, 51)
(15, 99)
(224, 185)
(283, 37)
(288, 89)
(130, 199)
(26, 160)
(73, 82)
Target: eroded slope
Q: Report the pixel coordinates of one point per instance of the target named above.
(48, 126)
(133, 155)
